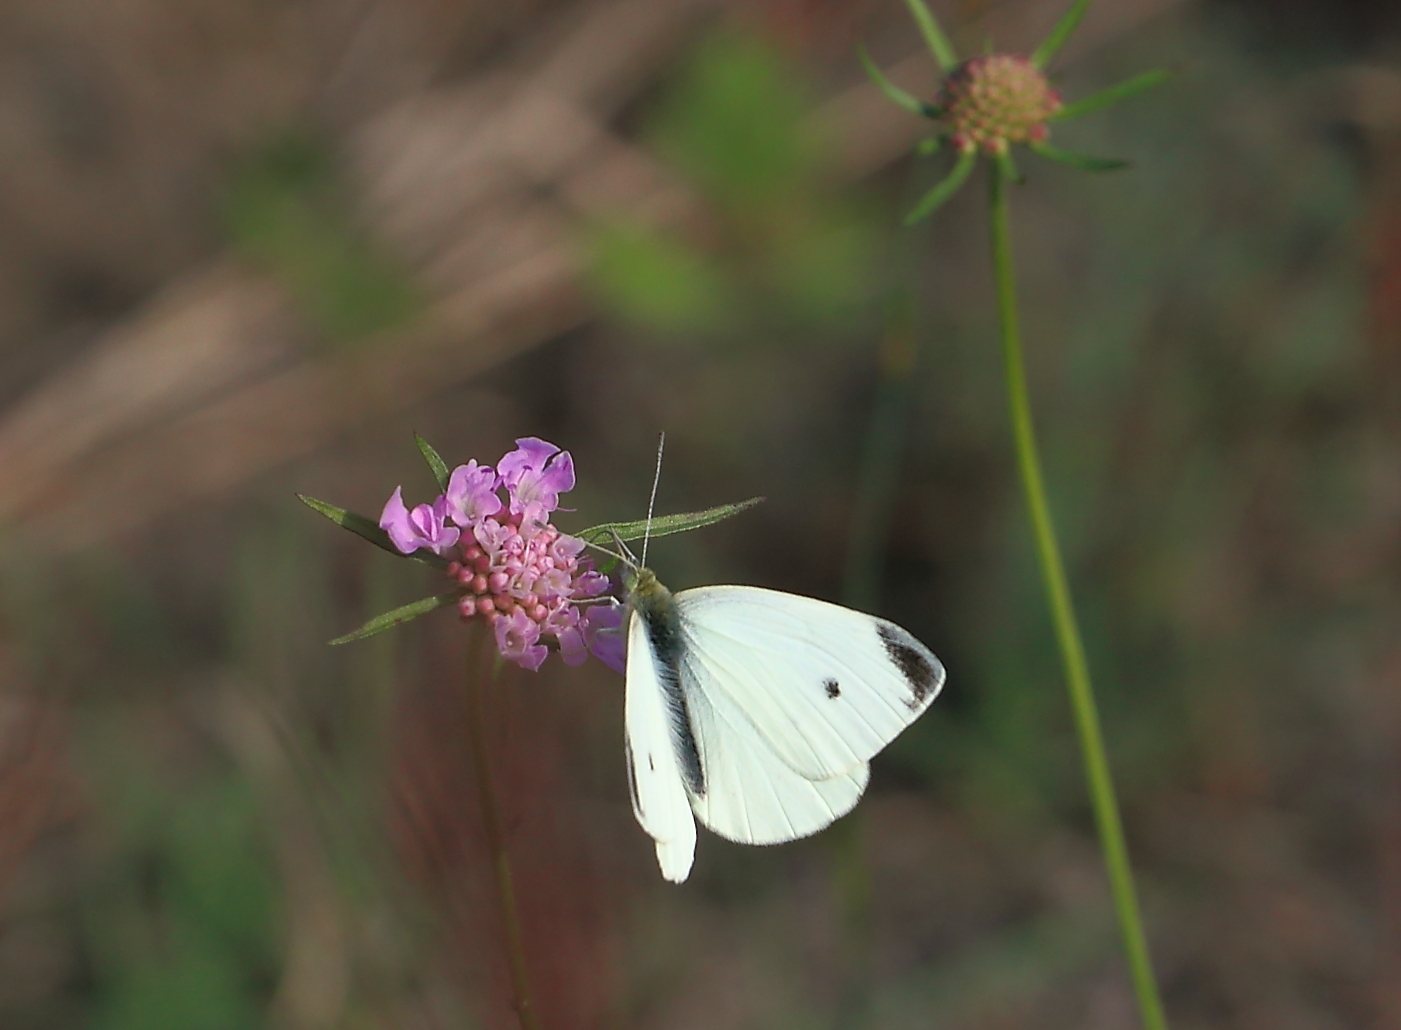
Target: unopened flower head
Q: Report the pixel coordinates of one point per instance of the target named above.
(515, 570)
(992, 102)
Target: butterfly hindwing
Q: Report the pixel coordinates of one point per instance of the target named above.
(751, 795)
(822, 687)
(659, 798)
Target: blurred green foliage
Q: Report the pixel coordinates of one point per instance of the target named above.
(285, 210)
(183, 928)
(783, 251)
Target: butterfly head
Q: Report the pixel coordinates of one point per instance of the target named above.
(642, 585)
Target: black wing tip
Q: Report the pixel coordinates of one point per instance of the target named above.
(922, 671)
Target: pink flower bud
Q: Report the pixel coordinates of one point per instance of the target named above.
(994, 101)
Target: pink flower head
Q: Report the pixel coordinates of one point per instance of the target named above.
(422, 527)
(532, 584)
(534, 475)
(471, 494)
(517, 638)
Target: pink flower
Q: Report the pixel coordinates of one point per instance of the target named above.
(534, 475)
(566, 548)
(422, 527)
(517, 638)
(471, 494)
(492, 535)
(564, 622)
(603, 632)
(591, 584)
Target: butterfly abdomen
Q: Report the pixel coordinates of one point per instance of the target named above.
(656, 607)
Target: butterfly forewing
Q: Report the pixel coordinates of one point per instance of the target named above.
(659, 797)
(823, 687)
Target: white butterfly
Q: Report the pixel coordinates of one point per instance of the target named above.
(757, 712)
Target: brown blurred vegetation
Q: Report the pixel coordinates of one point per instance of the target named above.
(247, 246)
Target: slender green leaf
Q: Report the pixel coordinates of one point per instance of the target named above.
(363, 527)
(893, 92)
(934, 37)
(398, 617)
(438, 466)
(1080, 161)
(664, 525)
(1068, 23)
(1112, 95)
(946, 189)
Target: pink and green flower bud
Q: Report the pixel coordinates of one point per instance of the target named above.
(989, 103)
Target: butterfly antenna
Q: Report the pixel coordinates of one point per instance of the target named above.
(651, 503)
(625, 552)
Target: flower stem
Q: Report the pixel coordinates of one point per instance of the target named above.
(1077, 673)
(495, 838)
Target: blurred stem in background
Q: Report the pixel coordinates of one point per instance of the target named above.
(1072, 649)
(492, 822)
(877, 483)
(879, 471)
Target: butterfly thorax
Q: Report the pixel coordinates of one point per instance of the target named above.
(655, 605)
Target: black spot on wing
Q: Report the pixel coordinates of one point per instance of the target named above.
(833, 688)
(922, 676)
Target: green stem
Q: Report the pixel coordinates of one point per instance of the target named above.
(1077, 673)
(495, 838)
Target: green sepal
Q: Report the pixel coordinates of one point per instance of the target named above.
(930, 146)
(1111, 95)
(436, 464)
(893, 92)
(364, 528)
(935, 198)
(663, 525)
(1068, 23)
(934, 37)
(1080, 161)
(398, 617)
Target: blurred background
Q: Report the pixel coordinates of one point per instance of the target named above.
(248, 246)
